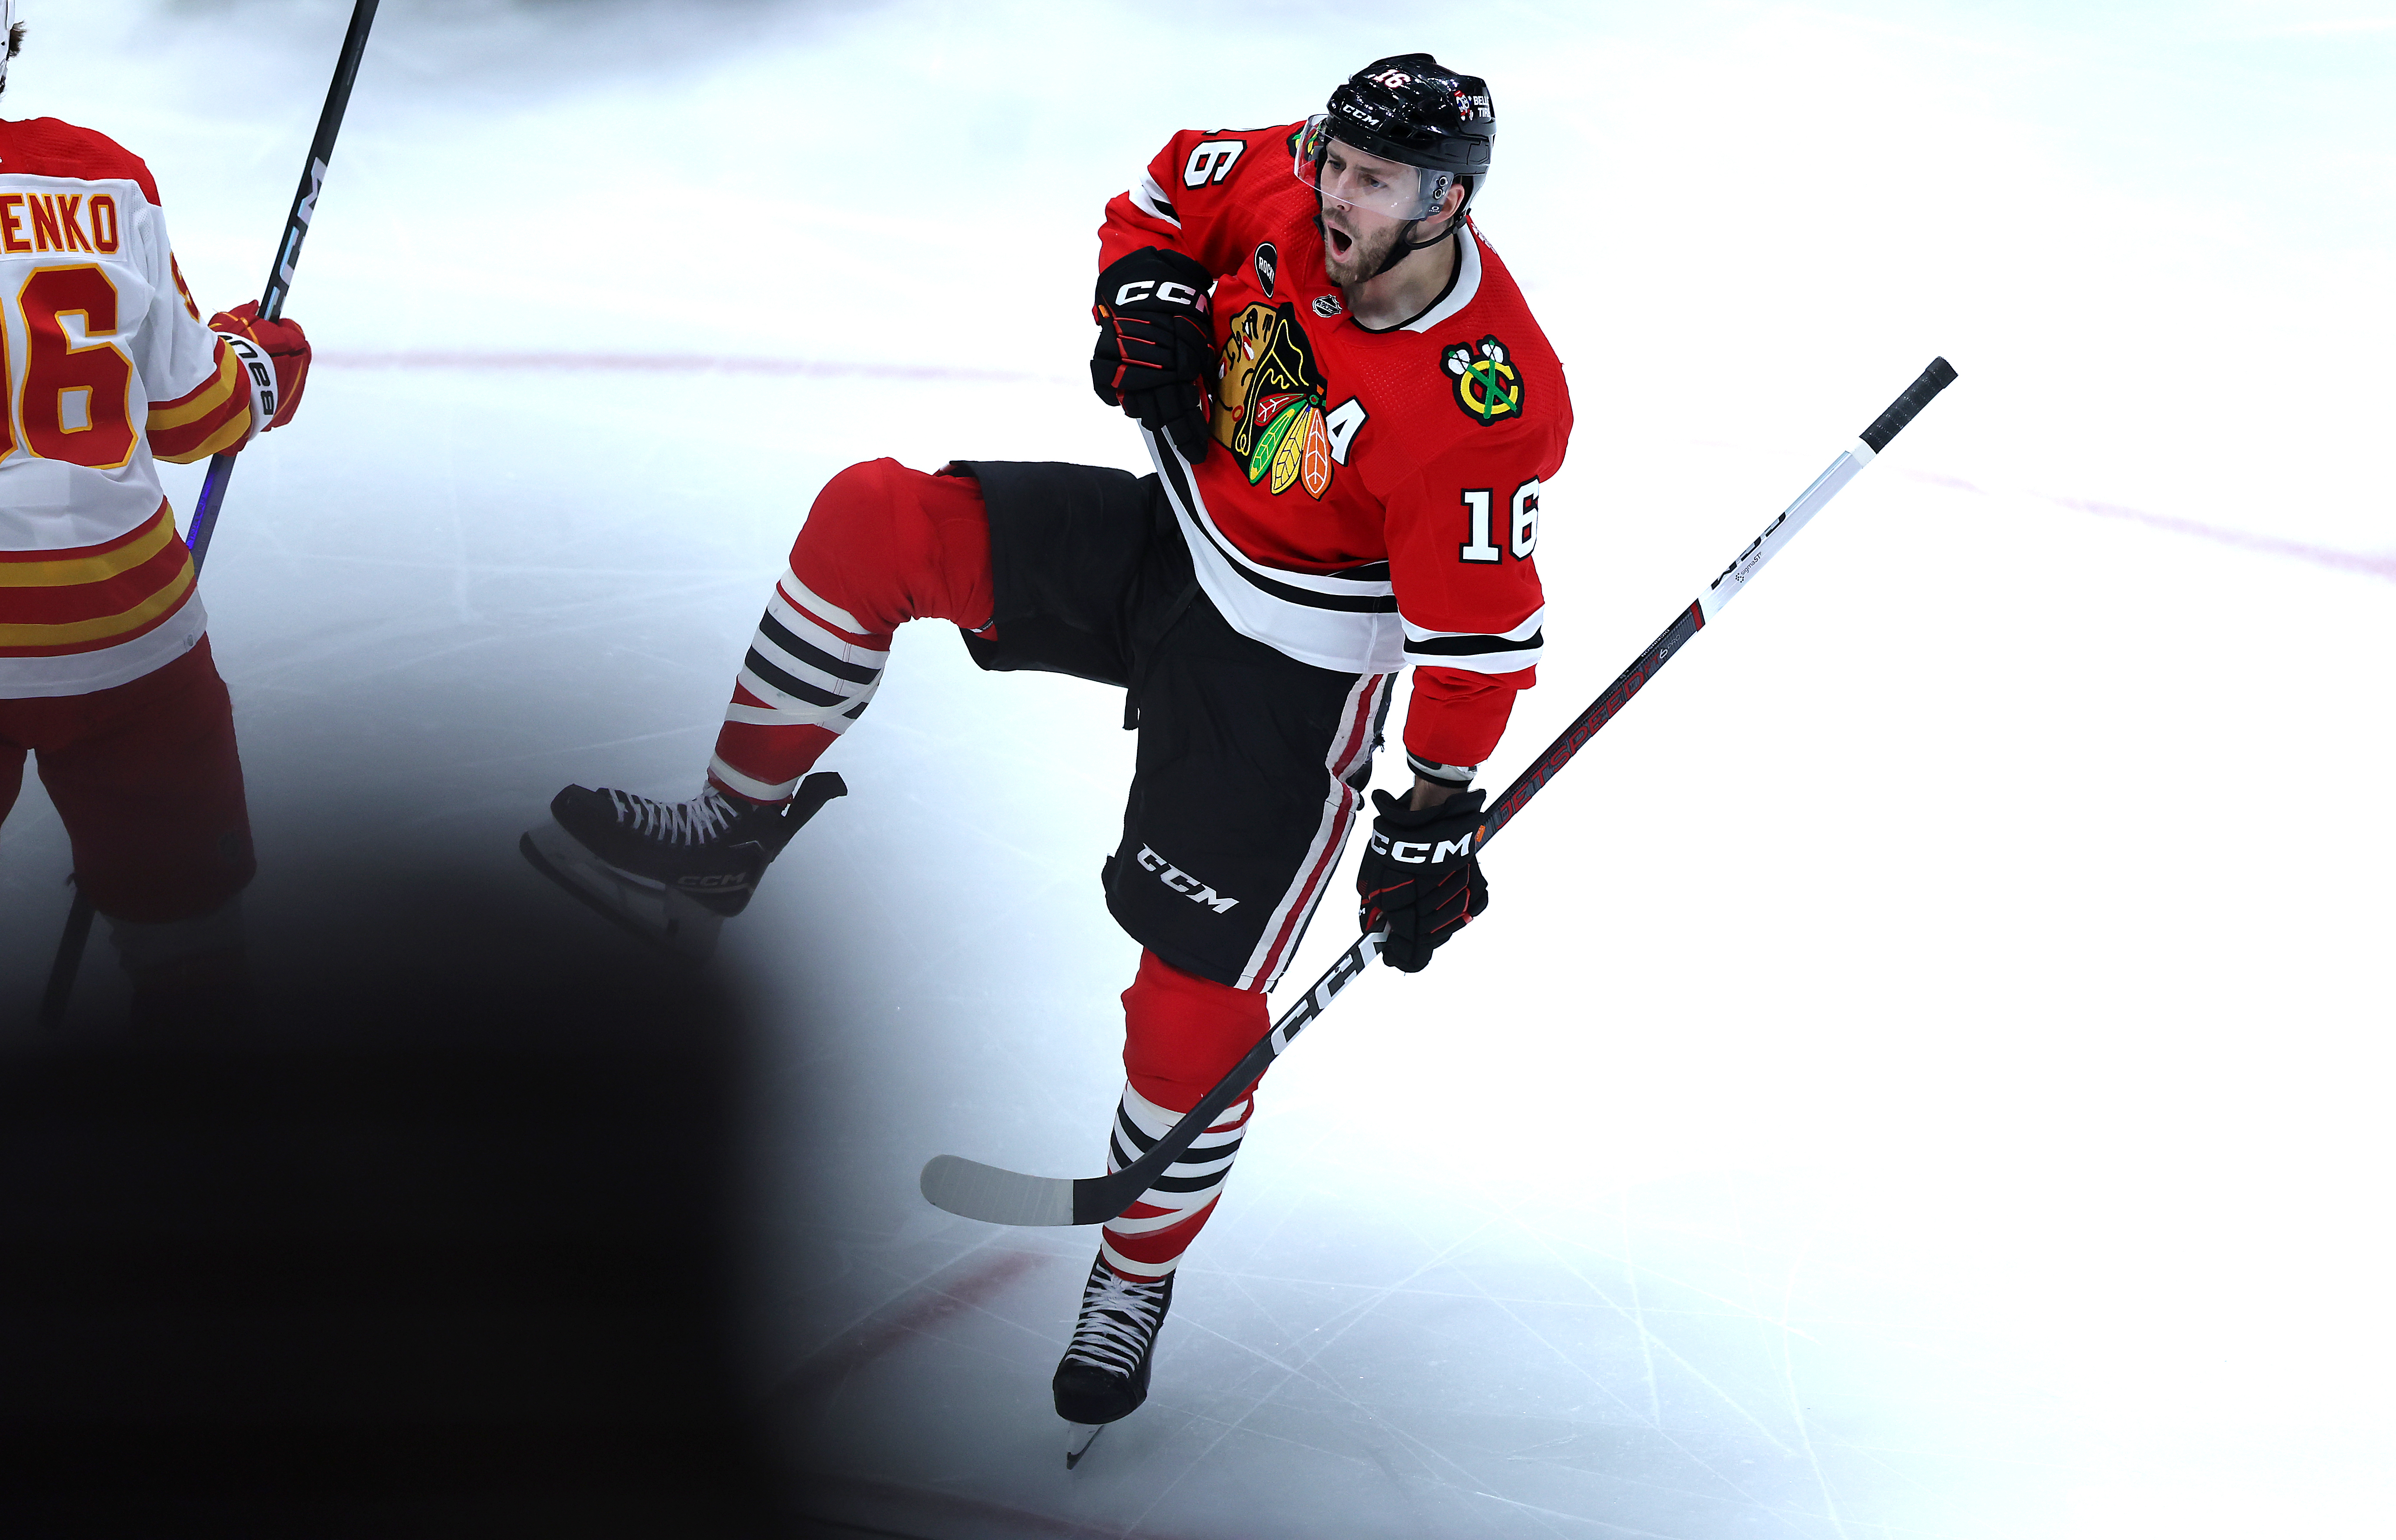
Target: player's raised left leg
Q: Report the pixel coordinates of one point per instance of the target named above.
(882, 546)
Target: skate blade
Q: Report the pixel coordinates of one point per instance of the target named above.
(650, 910)
(1078, 1436)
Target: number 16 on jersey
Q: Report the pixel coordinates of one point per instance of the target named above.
(1521, 523)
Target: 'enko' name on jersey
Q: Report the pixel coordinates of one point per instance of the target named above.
(107, 365)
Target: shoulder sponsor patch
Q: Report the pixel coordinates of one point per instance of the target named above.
(1268, 263)
(1488, 387)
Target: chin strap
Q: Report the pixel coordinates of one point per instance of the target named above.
(1403, 247)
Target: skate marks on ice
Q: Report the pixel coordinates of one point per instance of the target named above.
(1660, 1382)
(2367, 563)
(1666, 1363)
(958, 1314)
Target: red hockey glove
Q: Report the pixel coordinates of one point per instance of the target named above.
(273, 353)
(1420, 876)
(1156, 344)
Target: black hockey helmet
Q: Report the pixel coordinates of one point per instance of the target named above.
(1411, 109)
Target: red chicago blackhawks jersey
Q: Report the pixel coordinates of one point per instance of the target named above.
(107, 366)
(1370, 498)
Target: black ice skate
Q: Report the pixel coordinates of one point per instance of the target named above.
(1104, 1376)
(669, 871)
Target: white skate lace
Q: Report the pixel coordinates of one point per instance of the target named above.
(1119, 1320)
(693, 823)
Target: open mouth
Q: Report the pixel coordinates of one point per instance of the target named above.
(1341, 242)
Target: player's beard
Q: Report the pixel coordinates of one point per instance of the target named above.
(1364, 254)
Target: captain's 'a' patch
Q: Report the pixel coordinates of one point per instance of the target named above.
(1488, 387)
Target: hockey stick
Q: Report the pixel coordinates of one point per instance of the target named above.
(987, 1193)
(212, 490)
(286, 256)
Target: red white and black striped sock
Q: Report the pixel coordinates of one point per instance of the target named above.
(882, 546)
(811, 671)
(1147, 1239)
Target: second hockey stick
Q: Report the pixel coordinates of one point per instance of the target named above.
(212, 490)
(1003, 1196)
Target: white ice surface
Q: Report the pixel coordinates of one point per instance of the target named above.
(1924, 1073)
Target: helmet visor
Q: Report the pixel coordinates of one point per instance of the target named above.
(1343, 174)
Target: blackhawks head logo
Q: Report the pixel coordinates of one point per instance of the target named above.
(1488, 387)
(1269, 401)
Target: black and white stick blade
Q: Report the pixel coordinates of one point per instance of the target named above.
(985, 1192)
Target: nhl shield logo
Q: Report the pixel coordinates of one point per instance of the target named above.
(1326, 305)
(1268, 263)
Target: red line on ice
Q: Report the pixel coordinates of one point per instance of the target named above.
(2382, 565)
(662, 363)
(904, 1320)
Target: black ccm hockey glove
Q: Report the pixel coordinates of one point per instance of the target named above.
(1156, 344)
(1420, 876)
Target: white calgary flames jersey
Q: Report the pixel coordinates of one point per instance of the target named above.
(108, 368)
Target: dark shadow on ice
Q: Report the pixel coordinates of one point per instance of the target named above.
(444, 1241)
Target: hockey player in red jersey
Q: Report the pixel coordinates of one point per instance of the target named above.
(105, 673)
(1352, 413)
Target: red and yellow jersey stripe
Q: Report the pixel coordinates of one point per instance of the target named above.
(54, 603)
(94, 589)
(211, 417)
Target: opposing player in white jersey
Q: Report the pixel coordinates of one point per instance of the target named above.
(1352, 413)
(106, 679)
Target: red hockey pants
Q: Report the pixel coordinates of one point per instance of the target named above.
(147, 780)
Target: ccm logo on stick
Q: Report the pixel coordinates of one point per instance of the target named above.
(1182, 882)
